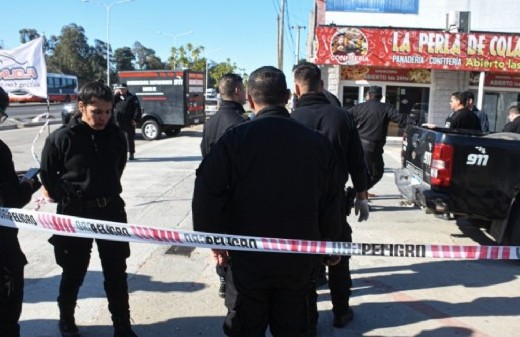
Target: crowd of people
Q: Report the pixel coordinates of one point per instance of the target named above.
(248, 183)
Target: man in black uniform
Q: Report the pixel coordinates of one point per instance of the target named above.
(269, 177)
(482, 115)
(316, 111)
(14, 192)
(82, 165)
(513, 124)
(230, 113)
(127, 111)
(372, 118)
(461, 117)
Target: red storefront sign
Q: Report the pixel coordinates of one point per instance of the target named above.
(496, 80)
(401, 48)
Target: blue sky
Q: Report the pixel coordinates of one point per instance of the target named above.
(242, 30)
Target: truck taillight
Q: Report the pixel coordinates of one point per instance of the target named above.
(442, 164)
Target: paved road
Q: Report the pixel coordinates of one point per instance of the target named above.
(174, 291)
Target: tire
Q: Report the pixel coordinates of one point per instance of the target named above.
(513, 227)
(151, 130)
(172, 132)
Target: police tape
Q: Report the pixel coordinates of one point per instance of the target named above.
(107, 230)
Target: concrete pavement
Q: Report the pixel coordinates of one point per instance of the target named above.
(173, 291)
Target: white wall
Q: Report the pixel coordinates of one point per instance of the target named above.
(486, 15)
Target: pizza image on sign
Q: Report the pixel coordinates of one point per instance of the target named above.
(349, 46)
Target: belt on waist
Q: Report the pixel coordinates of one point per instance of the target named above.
(99, 202)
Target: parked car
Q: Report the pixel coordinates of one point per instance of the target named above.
(67, 111)
(211, 106)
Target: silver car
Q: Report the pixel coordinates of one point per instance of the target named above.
(211, 106)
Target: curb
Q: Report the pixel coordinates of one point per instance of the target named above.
(15, 124)
(394, 140)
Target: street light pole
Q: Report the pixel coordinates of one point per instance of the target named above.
(107, 7)
(298, 42)
(175, 36)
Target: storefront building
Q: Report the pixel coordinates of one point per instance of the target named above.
(418, 67)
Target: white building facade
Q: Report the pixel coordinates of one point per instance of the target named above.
(420, 52)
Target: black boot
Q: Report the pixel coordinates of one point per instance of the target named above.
(67, 324)
(122, 326)
(68, 327)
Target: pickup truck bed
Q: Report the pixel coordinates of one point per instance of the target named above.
(465, 173)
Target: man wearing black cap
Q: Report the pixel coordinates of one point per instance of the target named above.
(127, 112)
(372, 118)
(14, 192)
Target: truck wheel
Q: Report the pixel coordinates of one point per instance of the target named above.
(150, 130)
(513, 228)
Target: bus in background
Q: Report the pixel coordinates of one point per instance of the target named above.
(60, 88)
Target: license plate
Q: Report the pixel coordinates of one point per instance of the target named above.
(196, 121)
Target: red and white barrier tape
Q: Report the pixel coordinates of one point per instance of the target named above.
(99, 229)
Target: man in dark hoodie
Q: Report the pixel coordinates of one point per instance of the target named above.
(14, 192)
(82, 165)
(315, 110)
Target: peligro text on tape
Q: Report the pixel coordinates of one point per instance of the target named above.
(100, 229)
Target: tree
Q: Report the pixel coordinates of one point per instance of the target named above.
(70, 52)
(187, 57)
(123, 58)
(221, 69)
(27, 35)
(146, 58)
(97, 60)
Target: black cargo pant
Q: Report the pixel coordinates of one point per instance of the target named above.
(340, 280)
(11, 298)
(374, 159)
(129, 132)
(73, 256)
(258, 300)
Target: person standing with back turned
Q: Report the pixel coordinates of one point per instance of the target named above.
(269, 177)
(372, 118)
(14, 192)
(314, 110)
(482, 115)
(230, 113)
(82, 165)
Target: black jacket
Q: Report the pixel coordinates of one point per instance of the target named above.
(80, 163)
(463, 119)
(16, 195)
(126, 110)
(513, 126)
(315, 111)
(372, 118)
(230, 113)
(269, 177)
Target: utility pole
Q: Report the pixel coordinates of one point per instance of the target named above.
(280, 34)
(297, 42)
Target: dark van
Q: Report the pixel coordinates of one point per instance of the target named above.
(170, 100)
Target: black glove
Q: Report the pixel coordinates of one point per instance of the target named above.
(36, 184)
(331, 260)
(350, 195)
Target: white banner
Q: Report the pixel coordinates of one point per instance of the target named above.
(23, 69)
